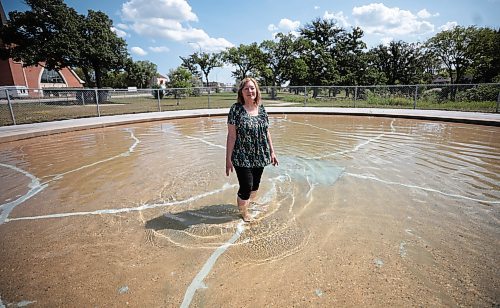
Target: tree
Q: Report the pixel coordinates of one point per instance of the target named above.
(351, 60)
(206, 62)
(318, 50)
(278, 57)
(485, 46)
(399, 62)
(56, 36)
(49, 33)
(116, 79)
(180, 78)
(247, 58)
(141, 73)
(453, 47)
(189, 64)
(102, 49)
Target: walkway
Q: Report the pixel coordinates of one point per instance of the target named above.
(24, 131)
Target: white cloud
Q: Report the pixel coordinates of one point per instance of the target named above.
(119, 33)
(138, 51)
(448, 26)
(376, 18)
(168, 19)
(386, 40)
(122, 26)
(316, 7)
(286, 26)
(159, 49)
(166, 9)
(424, 14)
(272, 28)
(339, 17)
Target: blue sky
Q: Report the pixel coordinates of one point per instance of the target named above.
(162, 30)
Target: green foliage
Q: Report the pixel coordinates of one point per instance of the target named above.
(455, 49)
(101, 49)
(181, 81)
(479, 93)
(56, 35)
(399, 62)
(140, 73)
(48, 33)
(247, 59)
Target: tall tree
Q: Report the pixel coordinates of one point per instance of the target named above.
(189, 64)
(49, 33)
(141, 73)
(454, 48)
(206, 62)
(278, 56)
(319, 40)
(56, 36)
(349, 53)
(399, 62)
(485, 47)
(102, 49)
(247, 58)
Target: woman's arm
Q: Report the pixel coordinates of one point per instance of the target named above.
(231, 139)
(274, 159)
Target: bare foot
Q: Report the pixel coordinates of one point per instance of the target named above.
(244, 213)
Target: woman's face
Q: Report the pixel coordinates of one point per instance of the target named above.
(249, 92)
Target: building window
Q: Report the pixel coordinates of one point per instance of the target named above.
(51, 76)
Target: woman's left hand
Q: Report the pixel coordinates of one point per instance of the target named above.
(274, 159)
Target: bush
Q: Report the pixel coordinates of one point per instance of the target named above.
(479, 93)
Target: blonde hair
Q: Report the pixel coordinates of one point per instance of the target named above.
(241, 100)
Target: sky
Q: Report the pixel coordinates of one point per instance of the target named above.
(161, 31)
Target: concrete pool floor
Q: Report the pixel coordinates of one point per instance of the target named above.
(386, 252)
(24, 131)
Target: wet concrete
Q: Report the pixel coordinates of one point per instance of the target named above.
(361, 211)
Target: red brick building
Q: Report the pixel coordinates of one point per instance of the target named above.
(13, 73)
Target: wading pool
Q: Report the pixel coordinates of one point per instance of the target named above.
(367, 211)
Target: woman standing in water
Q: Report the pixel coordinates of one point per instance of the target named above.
(249, 147)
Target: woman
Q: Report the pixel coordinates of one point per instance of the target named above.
(249, 146)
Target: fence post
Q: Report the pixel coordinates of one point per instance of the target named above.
(209, 98)
(415, 98)
(498, 101)
(158, 97)
(355, 95)
(305, 96)
(10, 106)
(97, 102)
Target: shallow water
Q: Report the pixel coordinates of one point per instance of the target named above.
(385, 191)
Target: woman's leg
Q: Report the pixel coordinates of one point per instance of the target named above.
(256, 176)
(245, 180)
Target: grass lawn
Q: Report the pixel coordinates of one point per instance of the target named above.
(43, 110)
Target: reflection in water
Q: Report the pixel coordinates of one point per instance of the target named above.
(172, 173)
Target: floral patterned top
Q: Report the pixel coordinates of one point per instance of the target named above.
(251, 148)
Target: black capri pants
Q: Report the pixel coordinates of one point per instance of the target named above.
(249, 180)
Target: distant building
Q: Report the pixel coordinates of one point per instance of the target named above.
(215, 84)
(160, 80)
(441, 80)
(13, 73)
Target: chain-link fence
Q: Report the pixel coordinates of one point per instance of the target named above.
(20, 105)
